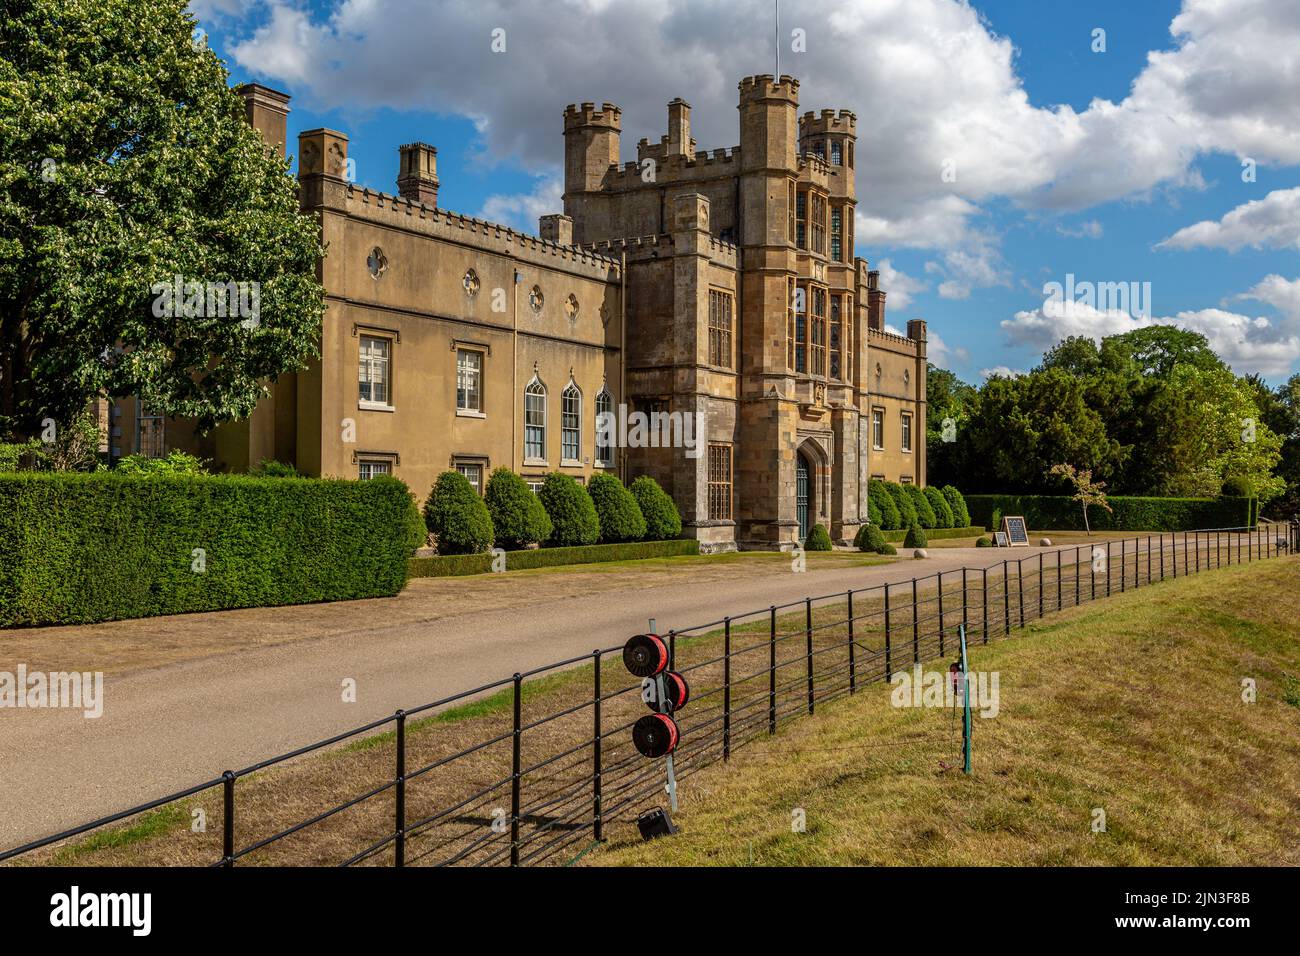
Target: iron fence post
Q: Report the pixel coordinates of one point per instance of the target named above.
(399, 781)
(1020, 589)
(916, 628)
(228, 818)
(1123, 564)
(1078, 557)
(984, 601)
(853, 670)
(940, 592)
(1059, 604)
(771, 674)
(889, 669)
(597, 758)
(515, 768)
(1040, 584)
(1006, 596)
(808, 634)
(726, 688)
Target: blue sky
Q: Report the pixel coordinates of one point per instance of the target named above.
(1114, 166)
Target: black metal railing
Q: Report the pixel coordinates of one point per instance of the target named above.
(530, 768)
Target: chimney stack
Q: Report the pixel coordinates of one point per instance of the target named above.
(267, 111)
(417, 177)
(679, 129)
(557, 228)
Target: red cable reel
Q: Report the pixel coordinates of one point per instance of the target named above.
(657, 734)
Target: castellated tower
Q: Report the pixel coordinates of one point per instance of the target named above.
(832, 136)
(591, 147)
(768, 412)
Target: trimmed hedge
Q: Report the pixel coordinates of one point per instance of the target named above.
(572, 513)
(960, 516)
(518, 518)
(939, 534)
(903, 502)
(819, 539)
(943, 517)
(1062, 513)
(924, 513)
(881, 506)
(449, 565)
(457, 516)
(91, 547)
(662, 520)
(617, 510)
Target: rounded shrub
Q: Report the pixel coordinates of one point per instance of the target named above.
(960, 513)
(924, 513)
(903, 503)
(943, 517)
(619, 515)
(995, 520)
(983, 542)
(518, 518)
(1237, 486)
(888, 549)
(915, 537)
(456, 516)
(661, 518)
(869, 538)
(573, 516)
(880, 500)
(818, 539)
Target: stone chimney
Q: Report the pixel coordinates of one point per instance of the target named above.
(267, 111)
(557, 228)
(417, 175)
(679, 129)
(875, 302)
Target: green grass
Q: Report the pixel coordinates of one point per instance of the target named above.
(1133, 706)
(166, 819)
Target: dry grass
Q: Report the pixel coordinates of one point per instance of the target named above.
(1133, 706)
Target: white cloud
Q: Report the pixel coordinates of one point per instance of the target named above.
(1000, 371)
(1092, 229)
(940, 353)
(521, 210)
(1248, 344)
(900, 287)
(1271, 222)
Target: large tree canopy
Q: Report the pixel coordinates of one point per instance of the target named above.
(1152, 411)
(126, 161)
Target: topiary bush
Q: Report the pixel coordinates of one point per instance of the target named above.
(79, 548)
(888, 549)
(924, 513)
(619, 515)
(983, 542)
(818, 539)
(995, 521)
(915, 537)
(573, 516)
(903, 503)
(518, 518)
(869, 538)
(960, 513)
(880, 500)
(661, 518)
(943, 517)
(456, 515)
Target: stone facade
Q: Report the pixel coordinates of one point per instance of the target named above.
(715, 284)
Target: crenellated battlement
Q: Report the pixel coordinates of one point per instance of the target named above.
(828, 121)
(764, 87)
(577, 116)
(365, 203)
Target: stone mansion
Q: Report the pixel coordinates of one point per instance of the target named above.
(719, 285)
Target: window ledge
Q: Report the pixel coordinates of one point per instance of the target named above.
(570, 463)
(468, 413)
(538, 462)
(375, 407)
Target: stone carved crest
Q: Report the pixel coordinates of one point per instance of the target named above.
(309, 161)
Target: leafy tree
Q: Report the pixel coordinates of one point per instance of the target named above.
(948, 403)
(1086, 491)
(1157, 349)
(518, 518)
(125, 161)
(616, 508)
(819, 539)
(943, 517)
(662, 521)
(573, 516)
(457, 516)
(1075, 355)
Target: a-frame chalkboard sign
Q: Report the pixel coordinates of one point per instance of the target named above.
(1017, 531)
